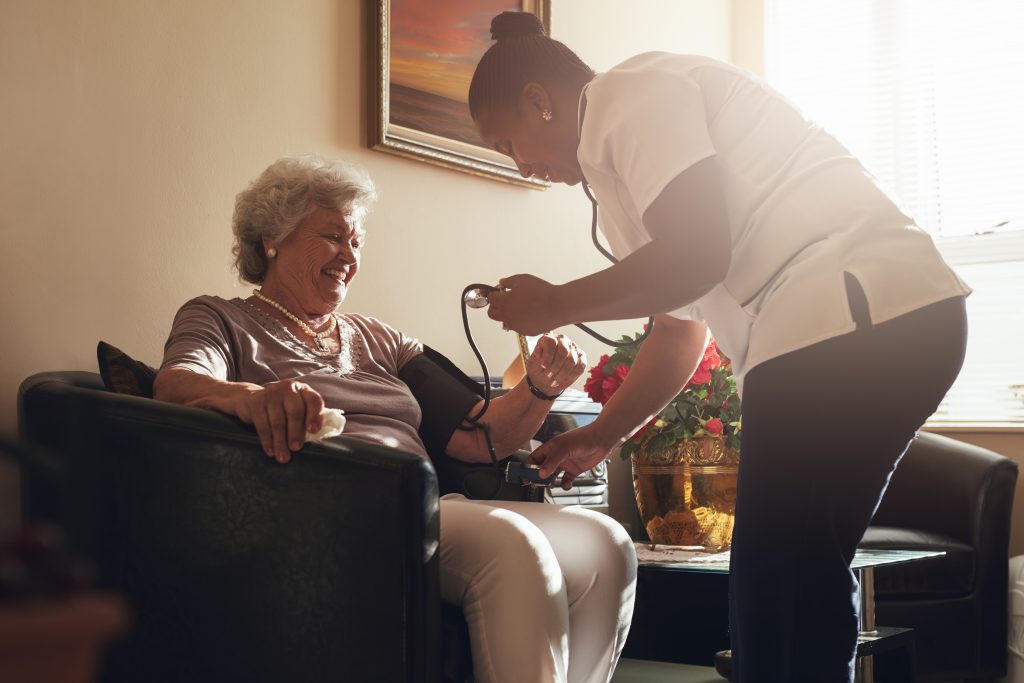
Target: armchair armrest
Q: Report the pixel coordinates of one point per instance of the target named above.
(953, 488)
(236, 567)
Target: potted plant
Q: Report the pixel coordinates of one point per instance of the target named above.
(686, 458)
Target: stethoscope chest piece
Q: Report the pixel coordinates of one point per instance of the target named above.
(475, 296)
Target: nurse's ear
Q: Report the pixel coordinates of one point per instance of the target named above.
(535, 101)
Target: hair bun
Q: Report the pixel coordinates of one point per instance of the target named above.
(516, 25)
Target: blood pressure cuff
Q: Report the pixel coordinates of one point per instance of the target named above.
(445, 394)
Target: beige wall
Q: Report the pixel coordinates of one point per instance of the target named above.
(129, 126)
(747, 31)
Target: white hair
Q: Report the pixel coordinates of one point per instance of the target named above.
(287, 192)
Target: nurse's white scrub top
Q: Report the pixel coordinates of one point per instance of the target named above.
(802, 210)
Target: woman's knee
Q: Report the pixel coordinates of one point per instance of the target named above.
(506, 544)
(606, 543)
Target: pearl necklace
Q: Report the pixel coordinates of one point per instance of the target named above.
(318, 337)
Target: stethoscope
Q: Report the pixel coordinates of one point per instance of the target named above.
(476, 296)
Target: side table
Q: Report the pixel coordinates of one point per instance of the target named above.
(682, 609)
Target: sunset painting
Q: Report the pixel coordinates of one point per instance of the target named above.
(422, 56)
(434, 48)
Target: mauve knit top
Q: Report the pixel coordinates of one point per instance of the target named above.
(235, 341)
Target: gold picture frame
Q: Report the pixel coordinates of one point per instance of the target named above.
(422, 55)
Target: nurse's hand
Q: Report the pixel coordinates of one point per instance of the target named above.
(526, 304)
(572, 452)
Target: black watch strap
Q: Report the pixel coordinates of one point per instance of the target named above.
(538, 393)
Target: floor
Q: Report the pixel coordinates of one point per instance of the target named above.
(641, 671)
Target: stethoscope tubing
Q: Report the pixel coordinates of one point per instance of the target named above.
(608, 255)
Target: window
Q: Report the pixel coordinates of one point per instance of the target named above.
(929, 94)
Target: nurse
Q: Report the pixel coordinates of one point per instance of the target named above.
(732, 214)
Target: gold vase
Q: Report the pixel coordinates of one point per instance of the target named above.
(686, 493)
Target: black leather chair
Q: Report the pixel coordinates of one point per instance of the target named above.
(237, 568)
(951, 496)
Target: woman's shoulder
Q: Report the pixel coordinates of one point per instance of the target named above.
(211, 306)
(208, 302)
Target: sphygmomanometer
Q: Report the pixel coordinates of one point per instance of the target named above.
(444, 394)
(446, 397)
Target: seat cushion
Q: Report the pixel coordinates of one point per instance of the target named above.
(948, 576)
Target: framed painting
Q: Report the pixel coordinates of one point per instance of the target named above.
(423, 53)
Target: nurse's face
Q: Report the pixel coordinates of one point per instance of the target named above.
(542, 149)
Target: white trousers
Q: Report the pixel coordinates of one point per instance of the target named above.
(547, 590)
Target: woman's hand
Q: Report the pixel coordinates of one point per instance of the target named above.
(573, 452)
(556, 362)
(282, 412)
(526, 304)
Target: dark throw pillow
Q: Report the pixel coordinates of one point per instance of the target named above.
(123, 374)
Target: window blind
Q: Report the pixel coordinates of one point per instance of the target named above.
(929, 95)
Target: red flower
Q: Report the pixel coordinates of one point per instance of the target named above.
(593, 384)
(700, 376)
(613, 381)
(714, 426)
(600, 386)
(712, 359)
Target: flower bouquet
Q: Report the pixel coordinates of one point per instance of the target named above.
(707, 406)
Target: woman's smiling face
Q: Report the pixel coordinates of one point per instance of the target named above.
(316, 262)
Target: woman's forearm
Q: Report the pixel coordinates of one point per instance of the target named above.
(177, 385)
(664, 364)
(513, 419)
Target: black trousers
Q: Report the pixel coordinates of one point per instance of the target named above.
(823, 429)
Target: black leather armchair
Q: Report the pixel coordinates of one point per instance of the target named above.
(238, 568)
(951, 496)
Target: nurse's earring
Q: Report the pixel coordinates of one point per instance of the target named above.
(546, 115)
(272, 252)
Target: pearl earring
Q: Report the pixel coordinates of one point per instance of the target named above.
(546, 115)
(272, 252)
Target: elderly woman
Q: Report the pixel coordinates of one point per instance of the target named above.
(547, 591)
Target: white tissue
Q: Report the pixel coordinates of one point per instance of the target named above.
(333, 424)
